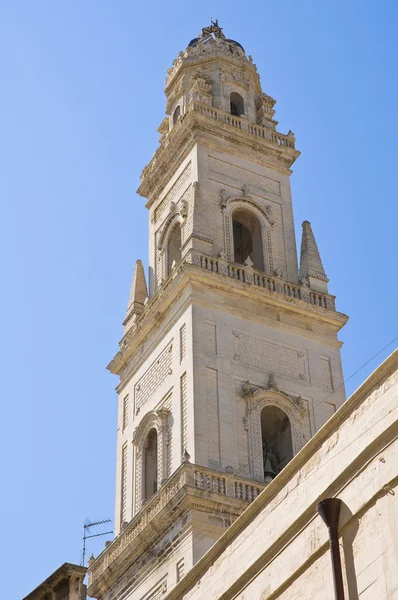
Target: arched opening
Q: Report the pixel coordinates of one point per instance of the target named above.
(151, 464)
(176, 114)
(174, 248)
(237, 104)
(277, 443)
(248, 246)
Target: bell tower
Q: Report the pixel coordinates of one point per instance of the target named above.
(230, 359)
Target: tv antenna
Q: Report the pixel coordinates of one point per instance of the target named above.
(86, 530)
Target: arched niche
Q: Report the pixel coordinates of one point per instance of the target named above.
(275, 418)
(276, 440)
(247, 238)
(170, 243)
(243, 214)
(150, 441)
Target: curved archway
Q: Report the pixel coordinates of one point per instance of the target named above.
(176, 114)
(237, 104)
(150, 464)
(277, 443)
(247, 238)
(174, 247)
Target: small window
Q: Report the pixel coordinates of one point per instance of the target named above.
(176, 114)
(237, 104)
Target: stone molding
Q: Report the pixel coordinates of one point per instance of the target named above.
(258, 399)
(245, 200)
(176, 216)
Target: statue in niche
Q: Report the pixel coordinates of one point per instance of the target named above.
(270, 464)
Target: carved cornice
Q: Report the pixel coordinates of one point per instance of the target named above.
(157, 418)
(255, 394)
(227, 203)
(186, 274)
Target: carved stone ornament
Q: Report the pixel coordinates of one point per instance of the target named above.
(184, 209)
(268, 210)
(254, 397)
(247, 388)
(186, 456)
(272, 385)
(224, 198)
(164, 126)
(245, 190)
(278, 272)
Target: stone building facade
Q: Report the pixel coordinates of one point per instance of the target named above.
(230, 358)
(279, 548)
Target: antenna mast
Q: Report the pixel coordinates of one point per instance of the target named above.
(86, 529)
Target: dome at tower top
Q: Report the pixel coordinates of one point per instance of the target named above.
(213, 31)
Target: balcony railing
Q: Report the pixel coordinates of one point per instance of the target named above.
(262, 280)
(280, 139)
(189, 476)
(288, 141)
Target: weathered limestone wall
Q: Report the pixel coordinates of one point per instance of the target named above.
(159, 378)
(233, 343)
(279, 546)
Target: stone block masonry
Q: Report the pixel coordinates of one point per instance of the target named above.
(153, 378)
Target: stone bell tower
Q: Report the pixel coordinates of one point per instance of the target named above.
(230, 360)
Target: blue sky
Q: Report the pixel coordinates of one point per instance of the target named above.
(82, 97)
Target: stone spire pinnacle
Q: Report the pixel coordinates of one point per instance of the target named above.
(311, 267)
(138, 291)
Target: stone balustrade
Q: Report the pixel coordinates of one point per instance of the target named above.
(187, 476)
(266, 133)
(260, 279)
(286, 141)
